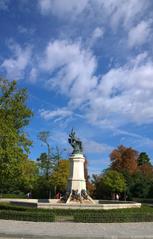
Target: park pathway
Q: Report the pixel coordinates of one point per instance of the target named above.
(28, 230)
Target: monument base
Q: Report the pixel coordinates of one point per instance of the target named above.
(76, 188)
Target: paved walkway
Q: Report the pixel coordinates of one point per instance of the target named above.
(18, 229)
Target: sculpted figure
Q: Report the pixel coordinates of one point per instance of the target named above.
(75, 143)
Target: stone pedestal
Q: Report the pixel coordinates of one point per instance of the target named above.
(76, 180)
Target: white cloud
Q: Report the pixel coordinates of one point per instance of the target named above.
(91, 146)
(124, 95)
(72, 69)
(112, 11)
(15, 66)
(57, 114)
(124, 12)
(62, 8)
(33, 75)
(24, 30)
(98, 33)
(139, 34)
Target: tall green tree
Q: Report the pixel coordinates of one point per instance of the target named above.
(114, 181)
(48, 164)
(14, 143)
(143, 158)
(47, 160)
(60, 176)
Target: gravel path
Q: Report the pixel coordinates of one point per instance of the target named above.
(20, 229)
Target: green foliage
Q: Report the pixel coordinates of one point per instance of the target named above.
(9, 211)
(27, 216)
(144, 214)
(143, 158)
(14, 143)
(28, 175)
(140, 186)
(114, 181)
(113, 217)
(60, 176)
(45, 165)
(53, 170)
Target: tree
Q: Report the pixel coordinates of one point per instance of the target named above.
(143, 158)
(14, 143)
(140, 186)
(49, 167)
(48, 160)
(45, 165)
(98, 191)
(28, 175)
(144, 166)
(124, 159)
(114, 181)
(60, 176)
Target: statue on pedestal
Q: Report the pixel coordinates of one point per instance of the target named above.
(75, 143)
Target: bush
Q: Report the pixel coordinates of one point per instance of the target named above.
(27, 216)
(115, 216)
(12, 195)
(9, 206)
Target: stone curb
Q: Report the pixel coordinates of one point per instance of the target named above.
(22, 236)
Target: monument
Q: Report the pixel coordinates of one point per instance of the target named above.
(76, 187)
(76, 196)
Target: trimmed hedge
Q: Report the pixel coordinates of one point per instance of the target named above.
(13, 195)
(14, 212)
(9, 206)
(27, 216)
(112, 217)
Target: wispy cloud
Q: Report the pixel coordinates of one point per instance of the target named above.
(116, 12)
(124, 95)
(91, 146)
(60, 8)
(15, 66)
(72, 69)
(121, 95)
(140, 34)
(57, 114)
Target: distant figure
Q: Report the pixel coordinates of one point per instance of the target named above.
(58, 195)
(117, 196)
(29, 195)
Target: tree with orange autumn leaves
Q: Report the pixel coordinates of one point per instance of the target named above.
(124, 159)
(136, 169)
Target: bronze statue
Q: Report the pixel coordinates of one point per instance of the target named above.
(75, 143)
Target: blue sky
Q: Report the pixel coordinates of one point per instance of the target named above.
(87, 64)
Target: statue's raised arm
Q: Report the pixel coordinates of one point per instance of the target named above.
(75, 143)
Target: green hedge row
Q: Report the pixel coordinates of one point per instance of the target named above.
(113, 217)
(9, 206)
(27, 216)
(12, 195)
(9, 211)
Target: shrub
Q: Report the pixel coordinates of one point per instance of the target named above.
(9, 206)
(12, 195)
(27, 216)
(115, 216)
